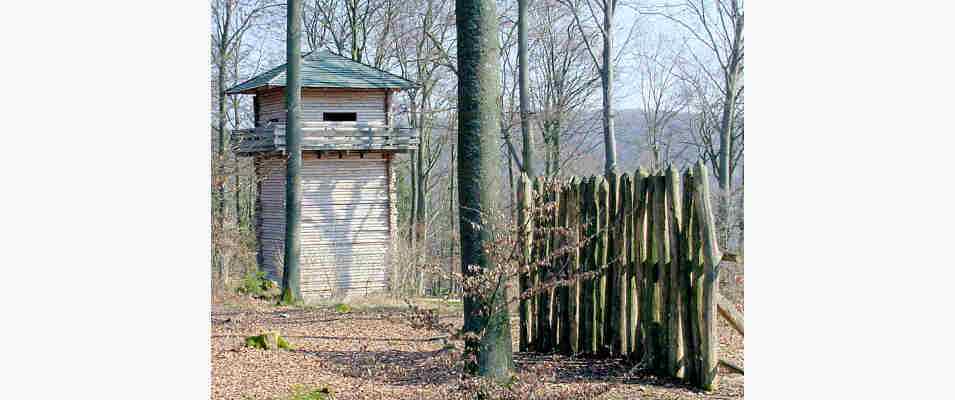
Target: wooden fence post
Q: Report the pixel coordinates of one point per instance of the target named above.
(603, 189)
(612, 292)
(711, 257)
(576, 264)
(642, 267)
(588, 214)
(624, 221)
(659, 274)
(524, 219)
(543, 273)
(651, 257)
(676, 298)
(568, 292)
(557, 262)
(635, 236)
(690, 249)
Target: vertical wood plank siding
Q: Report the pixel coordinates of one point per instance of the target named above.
(367, 103)
(347, 222)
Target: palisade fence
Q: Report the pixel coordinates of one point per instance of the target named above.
(646, 258)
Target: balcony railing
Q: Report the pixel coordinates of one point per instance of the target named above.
(327, 136)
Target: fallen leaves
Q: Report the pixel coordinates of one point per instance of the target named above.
(376, 354)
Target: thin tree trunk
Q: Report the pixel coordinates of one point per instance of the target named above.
(238, 181)
(610, 141)
(526, 136)
(220, 162)
(421, 209)
(291, 290)
(451, 222)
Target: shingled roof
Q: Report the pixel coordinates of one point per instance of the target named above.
(324, 69)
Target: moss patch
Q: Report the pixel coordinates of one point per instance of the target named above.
(302, 393)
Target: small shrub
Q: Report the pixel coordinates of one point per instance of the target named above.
(268, 341)
(303, 393)
(256, 284)
(342, 308)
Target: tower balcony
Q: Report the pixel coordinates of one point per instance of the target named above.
(271, 137)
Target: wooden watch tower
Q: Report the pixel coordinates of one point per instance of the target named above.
(349, 213)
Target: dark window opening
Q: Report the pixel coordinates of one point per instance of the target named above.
(339, 117)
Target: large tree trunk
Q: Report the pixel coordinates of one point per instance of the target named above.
(291, 290)
(478, 128)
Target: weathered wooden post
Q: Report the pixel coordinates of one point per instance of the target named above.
(603, 191)
(676, 298)
(573, 306)
(690, 250)
(565, 268)
(611, 297)
(634, 236)
(624, 222)
(526, 237)
(642, 193)
(588, 214)
(711, 256)
(555, 262)
(541, 242)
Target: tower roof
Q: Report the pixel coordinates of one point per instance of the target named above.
(324, 69)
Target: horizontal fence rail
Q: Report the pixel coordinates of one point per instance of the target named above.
(639, 278)
(327, 136)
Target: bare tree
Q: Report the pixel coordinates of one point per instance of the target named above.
(351, 27)
(718, 26)
(230, 20)
(662, 98)
(593, 19)
(421, 27)
(563, 80)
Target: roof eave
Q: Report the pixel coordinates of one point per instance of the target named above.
(255, 89)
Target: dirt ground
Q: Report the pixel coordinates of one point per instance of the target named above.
(372, 352)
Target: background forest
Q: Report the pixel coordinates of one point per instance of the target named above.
(673, 73)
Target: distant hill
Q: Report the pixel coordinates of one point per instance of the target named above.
(631, 131)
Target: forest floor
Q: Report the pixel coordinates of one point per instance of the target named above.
(373, 352)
